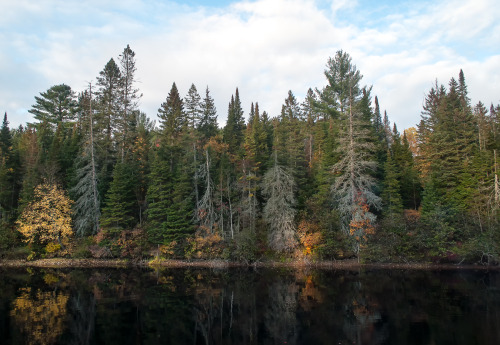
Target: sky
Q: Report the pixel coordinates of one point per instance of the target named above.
(264, 48)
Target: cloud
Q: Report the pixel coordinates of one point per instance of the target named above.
(264, 48)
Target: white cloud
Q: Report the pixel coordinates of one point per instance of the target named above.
(263, 47)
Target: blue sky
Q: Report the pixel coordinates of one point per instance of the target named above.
(263, 47)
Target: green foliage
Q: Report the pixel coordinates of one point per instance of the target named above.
(121, 207)
(222, 193)
(393, 205)
(56, 105)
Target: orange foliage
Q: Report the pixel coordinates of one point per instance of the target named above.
(309, 237)
(362, 225)
(411, 136)
(205, 244)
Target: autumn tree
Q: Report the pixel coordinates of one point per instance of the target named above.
(47, 218)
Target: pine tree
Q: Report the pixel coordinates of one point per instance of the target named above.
(56, 105)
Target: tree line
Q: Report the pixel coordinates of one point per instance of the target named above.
(329, 177)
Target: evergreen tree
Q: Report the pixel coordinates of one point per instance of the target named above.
(86, 209)
(140, 160)
(235, 125)
(129, 98)
(9, 173)
(56, 105)
(172, 117)
(354, 182)
(121, 208)
(207, 125)
(171, 207)
(193, 109)
(391, 198)
(278, 186)
(109, 83)
(158, 198)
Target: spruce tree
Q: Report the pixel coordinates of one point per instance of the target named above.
(207, 125)
(354, 183)
(235, 125)
(86, 209)
(121, 208)
(129, 99)
(391, 198)
(108, 100)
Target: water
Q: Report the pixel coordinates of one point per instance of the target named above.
(243, 306)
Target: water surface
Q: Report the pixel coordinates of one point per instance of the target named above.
(246, 306)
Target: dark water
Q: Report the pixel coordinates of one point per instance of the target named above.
(240, 306)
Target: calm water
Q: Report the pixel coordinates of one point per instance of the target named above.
(240, 306)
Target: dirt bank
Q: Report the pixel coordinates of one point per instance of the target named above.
(336, 265)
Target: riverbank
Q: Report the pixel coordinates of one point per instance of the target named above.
(221, 264)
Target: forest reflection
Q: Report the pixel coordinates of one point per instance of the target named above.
(237, 306)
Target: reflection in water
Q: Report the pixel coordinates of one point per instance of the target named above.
(238, 306)
(280, 316)
(39, 315)
(82, 318)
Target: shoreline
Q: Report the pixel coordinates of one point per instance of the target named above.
(221, 264)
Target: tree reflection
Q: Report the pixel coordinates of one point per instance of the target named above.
(82, 323)
(40, 316)
(280, 316)
(267, 306)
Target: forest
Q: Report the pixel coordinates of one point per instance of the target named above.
(329, 178)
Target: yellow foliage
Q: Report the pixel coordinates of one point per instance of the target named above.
(205, 244)
(40, 316)
(168, 250)
(52, 247)
(48, 217)
(50, 279)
